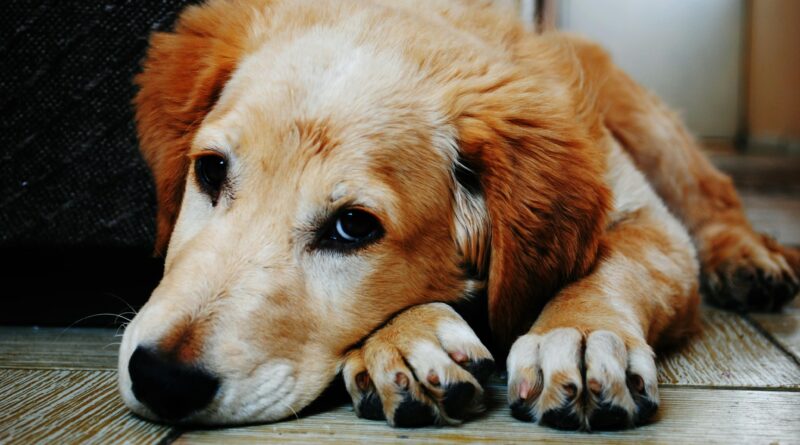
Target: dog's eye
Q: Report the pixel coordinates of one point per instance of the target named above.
(350, 229)
(211, 171)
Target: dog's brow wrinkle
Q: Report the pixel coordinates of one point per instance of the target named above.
(315, 136)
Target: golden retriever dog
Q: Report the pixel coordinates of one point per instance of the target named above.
(343, 185)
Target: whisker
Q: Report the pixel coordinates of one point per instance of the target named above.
(133, 310)
(123, 326)
(290, 408)
(104, 314)
(124, 316)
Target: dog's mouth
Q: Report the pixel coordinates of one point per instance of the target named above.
(221, 387)
(159, 388)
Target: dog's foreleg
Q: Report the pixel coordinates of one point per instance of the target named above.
(425, 366)
(741, 269)
(588, 361)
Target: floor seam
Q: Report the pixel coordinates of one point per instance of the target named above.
(771, 338)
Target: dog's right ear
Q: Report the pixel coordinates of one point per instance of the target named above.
(183, 75)
(531, 202)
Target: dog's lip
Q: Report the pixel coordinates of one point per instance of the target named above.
(265, 395)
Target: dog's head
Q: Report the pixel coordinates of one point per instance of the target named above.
(315, 182)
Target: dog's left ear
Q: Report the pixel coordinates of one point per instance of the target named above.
(182, 77)
(540, 178)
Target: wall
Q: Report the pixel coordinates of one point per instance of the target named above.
(774, 72)
(687, 51)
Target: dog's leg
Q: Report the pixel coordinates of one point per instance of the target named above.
(587, 362)
(425, 366)
(741, 269)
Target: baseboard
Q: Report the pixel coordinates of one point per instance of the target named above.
(772, 145)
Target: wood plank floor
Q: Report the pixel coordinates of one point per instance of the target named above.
(738, 381)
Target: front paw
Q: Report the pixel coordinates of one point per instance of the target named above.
(570, 381)
(426, 366)
(743, 270)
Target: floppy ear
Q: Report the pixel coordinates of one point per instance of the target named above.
(541, 179)
(183, 75)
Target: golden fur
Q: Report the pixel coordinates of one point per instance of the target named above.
(526, 168)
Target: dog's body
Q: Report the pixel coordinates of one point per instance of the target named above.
(342, 169)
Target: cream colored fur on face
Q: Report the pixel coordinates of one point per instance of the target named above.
(229, 265)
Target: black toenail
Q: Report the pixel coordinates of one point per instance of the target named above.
(482, 369)
(370, 407)
(521, 411)
(457, 399)
(413, 413)
(608, 417)
(563, 418)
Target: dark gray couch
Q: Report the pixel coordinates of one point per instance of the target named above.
(77, 204)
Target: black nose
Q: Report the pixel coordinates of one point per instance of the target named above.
(172, 390)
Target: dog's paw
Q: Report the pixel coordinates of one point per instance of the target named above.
(743, 270)
(425, 367)
(570, 381)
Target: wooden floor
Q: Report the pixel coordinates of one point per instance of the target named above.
(736, 382)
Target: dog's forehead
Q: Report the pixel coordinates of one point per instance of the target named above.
(328, 85)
